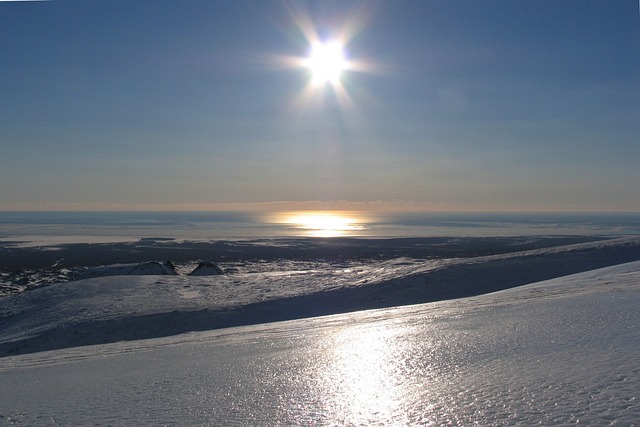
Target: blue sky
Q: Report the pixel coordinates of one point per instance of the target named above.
(460, 105)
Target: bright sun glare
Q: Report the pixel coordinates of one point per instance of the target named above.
(326, 62)
(323, 224)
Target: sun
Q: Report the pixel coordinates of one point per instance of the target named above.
(330, 65)
(326, 62)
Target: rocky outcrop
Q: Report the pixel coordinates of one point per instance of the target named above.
(206, 269)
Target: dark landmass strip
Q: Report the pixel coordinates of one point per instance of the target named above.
(339, 249)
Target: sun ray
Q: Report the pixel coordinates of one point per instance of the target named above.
(330, 95)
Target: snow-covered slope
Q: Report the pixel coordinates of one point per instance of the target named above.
(558, 352)
(115, 308)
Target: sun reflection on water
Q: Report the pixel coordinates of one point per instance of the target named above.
(323, 223)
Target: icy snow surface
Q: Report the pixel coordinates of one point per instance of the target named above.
(557, 352)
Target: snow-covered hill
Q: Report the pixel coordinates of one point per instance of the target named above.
(558, 352)
(114, 308)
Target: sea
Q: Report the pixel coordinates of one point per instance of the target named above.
(42, 228)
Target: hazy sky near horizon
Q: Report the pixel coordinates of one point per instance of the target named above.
(463, 104)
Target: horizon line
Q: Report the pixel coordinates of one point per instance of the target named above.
(280, 206)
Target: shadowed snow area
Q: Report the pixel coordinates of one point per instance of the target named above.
(115, 308)
(558, 352)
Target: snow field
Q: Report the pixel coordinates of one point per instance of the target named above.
(558, 352)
